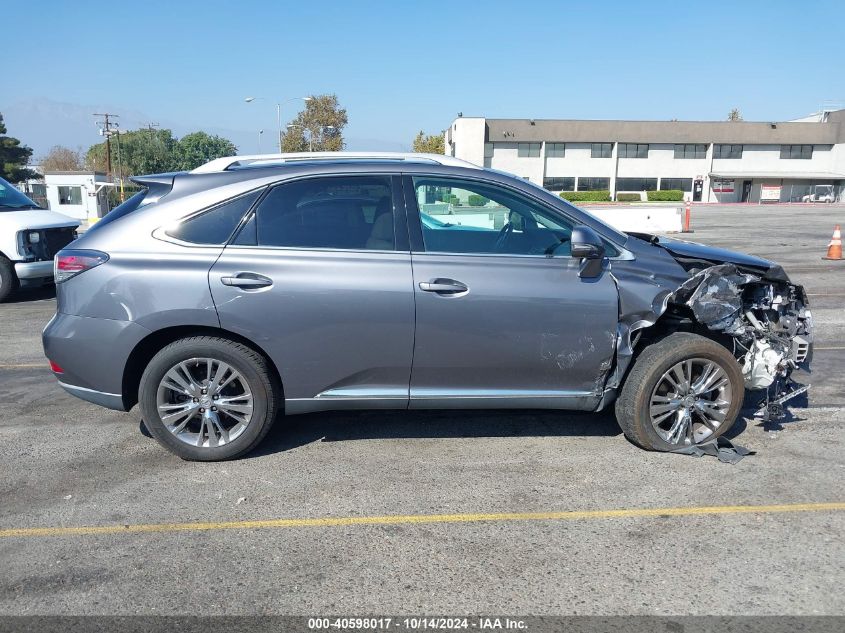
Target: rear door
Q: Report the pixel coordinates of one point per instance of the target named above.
(503, 318)
(320, 277)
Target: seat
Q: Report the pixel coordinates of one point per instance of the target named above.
(381, 236)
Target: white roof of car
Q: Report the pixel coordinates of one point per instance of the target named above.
(227, 162)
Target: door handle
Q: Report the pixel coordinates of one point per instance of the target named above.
(247, 280)
(443, 286)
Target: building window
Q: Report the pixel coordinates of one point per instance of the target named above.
(593, 184)
(488, 150)
(559, 184)
(555, 150)
(691, 150)
(70, 195)
(680, 184)
(727, 151)
(636, 184)
(796, 151)
(633, 150)
(601, 150)
(528, 150)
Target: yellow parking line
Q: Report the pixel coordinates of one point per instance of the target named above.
(421, 518)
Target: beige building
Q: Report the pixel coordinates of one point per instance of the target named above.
(711, 161)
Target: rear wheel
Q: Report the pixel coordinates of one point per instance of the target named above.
(8, 279)
(207, 398)
(685, 389)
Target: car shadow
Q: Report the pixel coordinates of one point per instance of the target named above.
(39, 293)
(338, 426)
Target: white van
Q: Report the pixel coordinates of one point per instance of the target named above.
(29, 237)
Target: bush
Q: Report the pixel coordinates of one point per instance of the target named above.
(628, 197)
(667, 195)
(449, 198)
(476, 200)
(586, 196)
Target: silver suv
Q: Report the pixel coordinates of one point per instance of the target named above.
(217, 299)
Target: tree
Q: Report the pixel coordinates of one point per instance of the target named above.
(61, 158)
(319, 127)
(430, 144)
(135, 153)
(14, 157)
(151, 151)
(192, 150)
(735, 115)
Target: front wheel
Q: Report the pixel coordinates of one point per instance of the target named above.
(8, 279)
(208, 399)
(685, 389)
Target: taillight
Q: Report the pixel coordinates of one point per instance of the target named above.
(69, 263)
(56, 369)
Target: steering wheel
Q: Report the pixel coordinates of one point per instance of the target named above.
(502, 238)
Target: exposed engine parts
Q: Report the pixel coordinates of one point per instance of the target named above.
(768, 320)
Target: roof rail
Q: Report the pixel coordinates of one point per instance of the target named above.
(222, 164)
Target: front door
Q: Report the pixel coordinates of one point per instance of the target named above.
(503, 319)
(746, 191)
(320, 277)
(697, 190)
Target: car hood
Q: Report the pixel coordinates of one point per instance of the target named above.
(688, 253)
(35, 219)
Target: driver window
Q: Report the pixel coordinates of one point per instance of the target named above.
(462, 216)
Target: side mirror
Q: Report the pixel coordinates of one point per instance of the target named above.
(587, 246)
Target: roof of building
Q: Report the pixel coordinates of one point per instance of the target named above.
(740, 132)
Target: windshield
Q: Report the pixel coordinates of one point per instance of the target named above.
(12, 200)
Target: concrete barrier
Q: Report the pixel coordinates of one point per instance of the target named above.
(643, 219)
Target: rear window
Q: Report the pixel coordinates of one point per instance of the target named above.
(121, 210)
(216, 225)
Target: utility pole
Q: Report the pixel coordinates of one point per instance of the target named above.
(151, 128)
(106, 130)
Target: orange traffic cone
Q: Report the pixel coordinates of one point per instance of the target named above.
(834, 249)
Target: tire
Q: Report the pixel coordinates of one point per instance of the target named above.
(8, 278)
(243, 427)
(647, 379)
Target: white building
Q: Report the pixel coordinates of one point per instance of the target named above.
(711, 161)
(79, 194)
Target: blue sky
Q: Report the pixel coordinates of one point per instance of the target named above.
(402, 66)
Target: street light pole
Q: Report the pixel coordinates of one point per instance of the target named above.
(279, 113)
(279, 124)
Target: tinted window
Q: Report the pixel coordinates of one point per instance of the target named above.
(121, 210)
(528, 150)
(483, 218)
(601, 150)
(796, 151)
(559, 183)
(349, 212)
(690, 150)
(633, 150)
(587, 183)
(555, 150)
(636, 184)
(727, 151)
(216, 225)
(678, 184)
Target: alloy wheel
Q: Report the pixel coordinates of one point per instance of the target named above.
(690, 401)
(204, 402)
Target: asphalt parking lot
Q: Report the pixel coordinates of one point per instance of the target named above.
(321, 481)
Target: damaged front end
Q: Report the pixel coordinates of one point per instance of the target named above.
(769, 323)
(746, 302)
